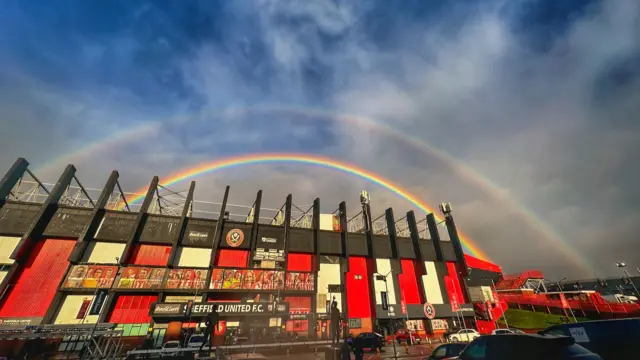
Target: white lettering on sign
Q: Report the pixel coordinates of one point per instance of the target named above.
(269, 240)
(229, 308)
(579, 334)
(198, 234)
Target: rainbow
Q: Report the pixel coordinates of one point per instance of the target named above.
(469, 246)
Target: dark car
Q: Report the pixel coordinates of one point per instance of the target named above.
(368, 340)
(525, 347)
(611, 339)
(445, 351)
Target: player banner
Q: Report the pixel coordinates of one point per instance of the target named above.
(300, 281)
(90, 276)
(186, 279)
(141, 278)
(249, 279)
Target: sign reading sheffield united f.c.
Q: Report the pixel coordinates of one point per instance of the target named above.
(235, 237)
(429, 311)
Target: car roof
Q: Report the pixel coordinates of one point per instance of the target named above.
(532, 338)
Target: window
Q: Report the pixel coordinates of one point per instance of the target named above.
(72, 343)
(321, 302)
(455, 349)
(133, 329)
(476, 350)
(440, 352)
(554, 331)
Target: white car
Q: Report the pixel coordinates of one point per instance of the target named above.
(464, 335)
(506, 331)
(170, 348)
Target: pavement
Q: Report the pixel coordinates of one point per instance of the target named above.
(416, 352)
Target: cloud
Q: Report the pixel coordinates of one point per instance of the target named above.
(542, 109)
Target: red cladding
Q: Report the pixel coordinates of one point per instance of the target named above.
(408, 282)
(453, 273)
(298, 304)
(232, 258)
(358, 296)
(299, 262)
(449, 284)
(154, 255)
(39, 278)
(476, 263)
(131, 309)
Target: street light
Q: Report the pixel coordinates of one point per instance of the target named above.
(504, 312)
(380, 277)
(562, 294)
(623, 267)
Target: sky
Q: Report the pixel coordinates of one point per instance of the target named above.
(534, 105)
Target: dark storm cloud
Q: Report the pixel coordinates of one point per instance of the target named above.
(539, 99)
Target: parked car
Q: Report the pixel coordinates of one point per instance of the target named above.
(195, 341)
(170, 348)
(446, 351)
(506, 331)
(525, 347)
(408, 336)
(466, 335)
(369, 340)
(611, 339)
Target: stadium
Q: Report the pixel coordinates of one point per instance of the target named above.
(81, 263)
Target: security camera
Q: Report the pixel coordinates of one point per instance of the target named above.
(621, 264)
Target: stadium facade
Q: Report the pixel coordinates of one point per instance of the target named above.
(70, 259)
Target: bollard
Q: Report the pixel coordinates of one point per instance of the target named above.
(377, 351)
(406, 348)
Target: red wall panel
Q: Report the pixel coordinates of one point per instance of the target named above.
(232, 258)
(453, 273)
(476, 263)
(38, 280)
(358, 296)
(299, 262)
(130, 309)
(408, 283)
(450, 287)
(154, 255)
(298, 303)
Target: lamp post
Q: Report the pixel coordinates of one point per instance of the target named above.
(562, 294)
(623, 267)
(383, 278)
(504, 312)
